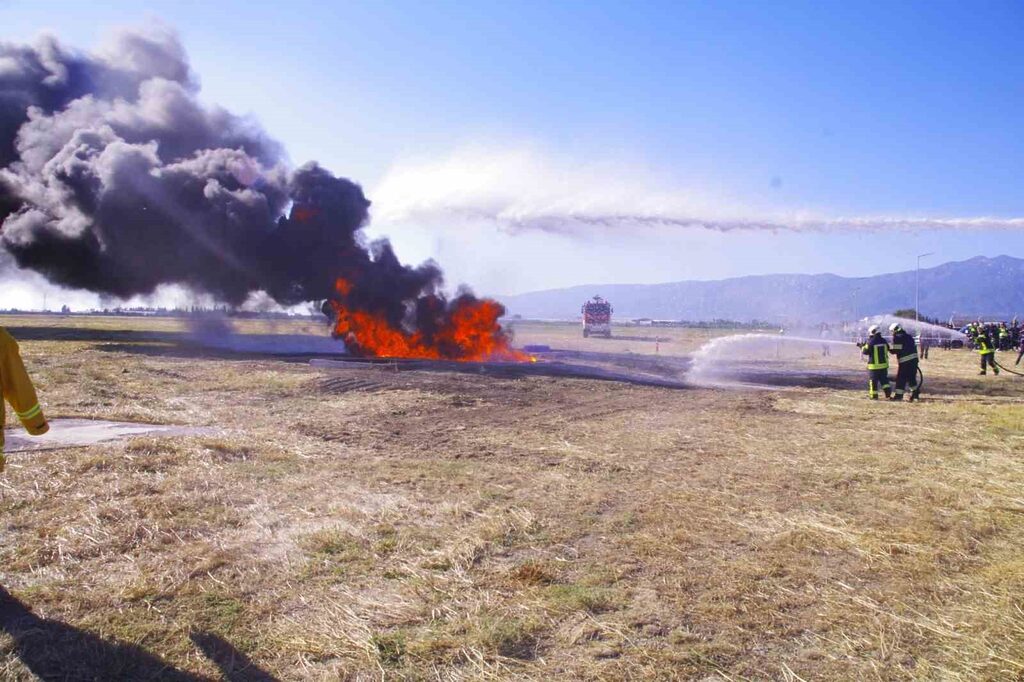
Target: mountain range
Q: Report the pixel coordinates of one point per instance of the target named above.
(992, 288)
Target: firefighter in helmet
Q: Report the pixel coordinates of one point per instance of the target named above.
(987, 351)
(18, 391)
(905, 350)
(877, 351)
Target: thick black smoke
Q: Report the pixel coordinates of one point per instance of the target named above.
(115, 179)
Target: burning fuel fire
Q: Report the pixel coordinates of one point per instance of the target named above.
(465, 329)
(91, 188)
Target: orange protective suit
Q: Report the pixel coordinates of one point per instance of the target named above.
(18, 391)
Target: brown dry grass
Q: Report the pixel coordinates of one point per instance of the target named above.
(432, 526)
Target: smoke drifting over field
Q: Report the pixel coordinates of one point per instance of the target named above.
(524, 190)
(115, 179)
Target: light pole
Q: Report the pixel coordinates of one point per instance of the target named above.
(917, 287)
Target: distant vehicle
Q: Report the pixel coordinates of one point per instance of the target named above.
(597, 318)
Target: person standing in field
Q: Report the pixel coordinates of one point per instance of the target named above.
(18, 391)
(825, 334)
(987, 351)
(877, 351)
(905, 350)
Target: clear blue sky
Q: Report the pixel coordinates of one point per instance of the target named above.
(852, 108)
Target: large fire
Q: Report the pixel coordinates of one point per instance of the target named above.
(464, 329)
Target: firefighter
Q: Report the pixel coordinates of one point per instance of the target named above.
(905, 350)
(923, 344)
(877, 351)
(18, 391)
(987, 351)
(1004, 337)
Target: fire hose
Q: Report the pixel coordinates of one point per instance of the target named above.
(994, 362)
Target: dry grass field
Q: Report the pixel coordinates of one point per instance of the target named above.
(367, 524)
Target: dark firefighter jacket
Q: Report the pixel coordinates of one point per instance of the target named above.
(985, 346)
(18, 390)
(877, 351)
(903, 346)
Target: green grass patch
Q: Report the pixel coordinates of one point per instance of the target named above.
(512, 637)
(390, 648)
(337, 543)
(575, 597)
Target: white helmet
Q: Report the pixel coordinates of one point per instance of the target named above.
(895, 326)
(873, 329)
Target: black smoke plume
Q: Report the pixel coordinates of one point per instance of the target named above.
(115, 179)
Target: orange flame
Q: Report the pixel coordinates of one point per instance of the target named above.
(470, 332)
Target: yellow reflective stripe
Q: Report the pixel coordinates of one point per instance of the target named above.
(912, 356)
(884, 365)
(31, 412)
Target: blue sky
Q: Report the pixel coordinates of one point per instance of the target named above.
(838, 109)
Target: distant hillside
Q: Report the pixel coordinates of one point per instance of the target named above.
(979, 286)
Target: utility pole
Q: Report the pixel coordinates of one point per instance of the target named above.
(917, 287)
(851, 303)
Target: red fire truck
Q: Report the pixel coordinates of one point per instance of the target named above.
(597, 318)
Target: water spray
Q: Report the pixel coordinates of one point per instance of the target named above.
(767, 360)
(801, 360)
(913, 327)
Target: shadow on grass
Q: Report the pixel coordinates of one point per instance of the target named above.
(193, 351)
(233, 664)
(94, 335)
(53, 650)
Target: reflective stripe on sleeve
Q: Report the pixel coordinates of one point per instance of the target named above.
(31, 412)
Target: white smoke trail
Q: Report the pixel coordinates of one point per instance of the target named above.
(527, 190)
